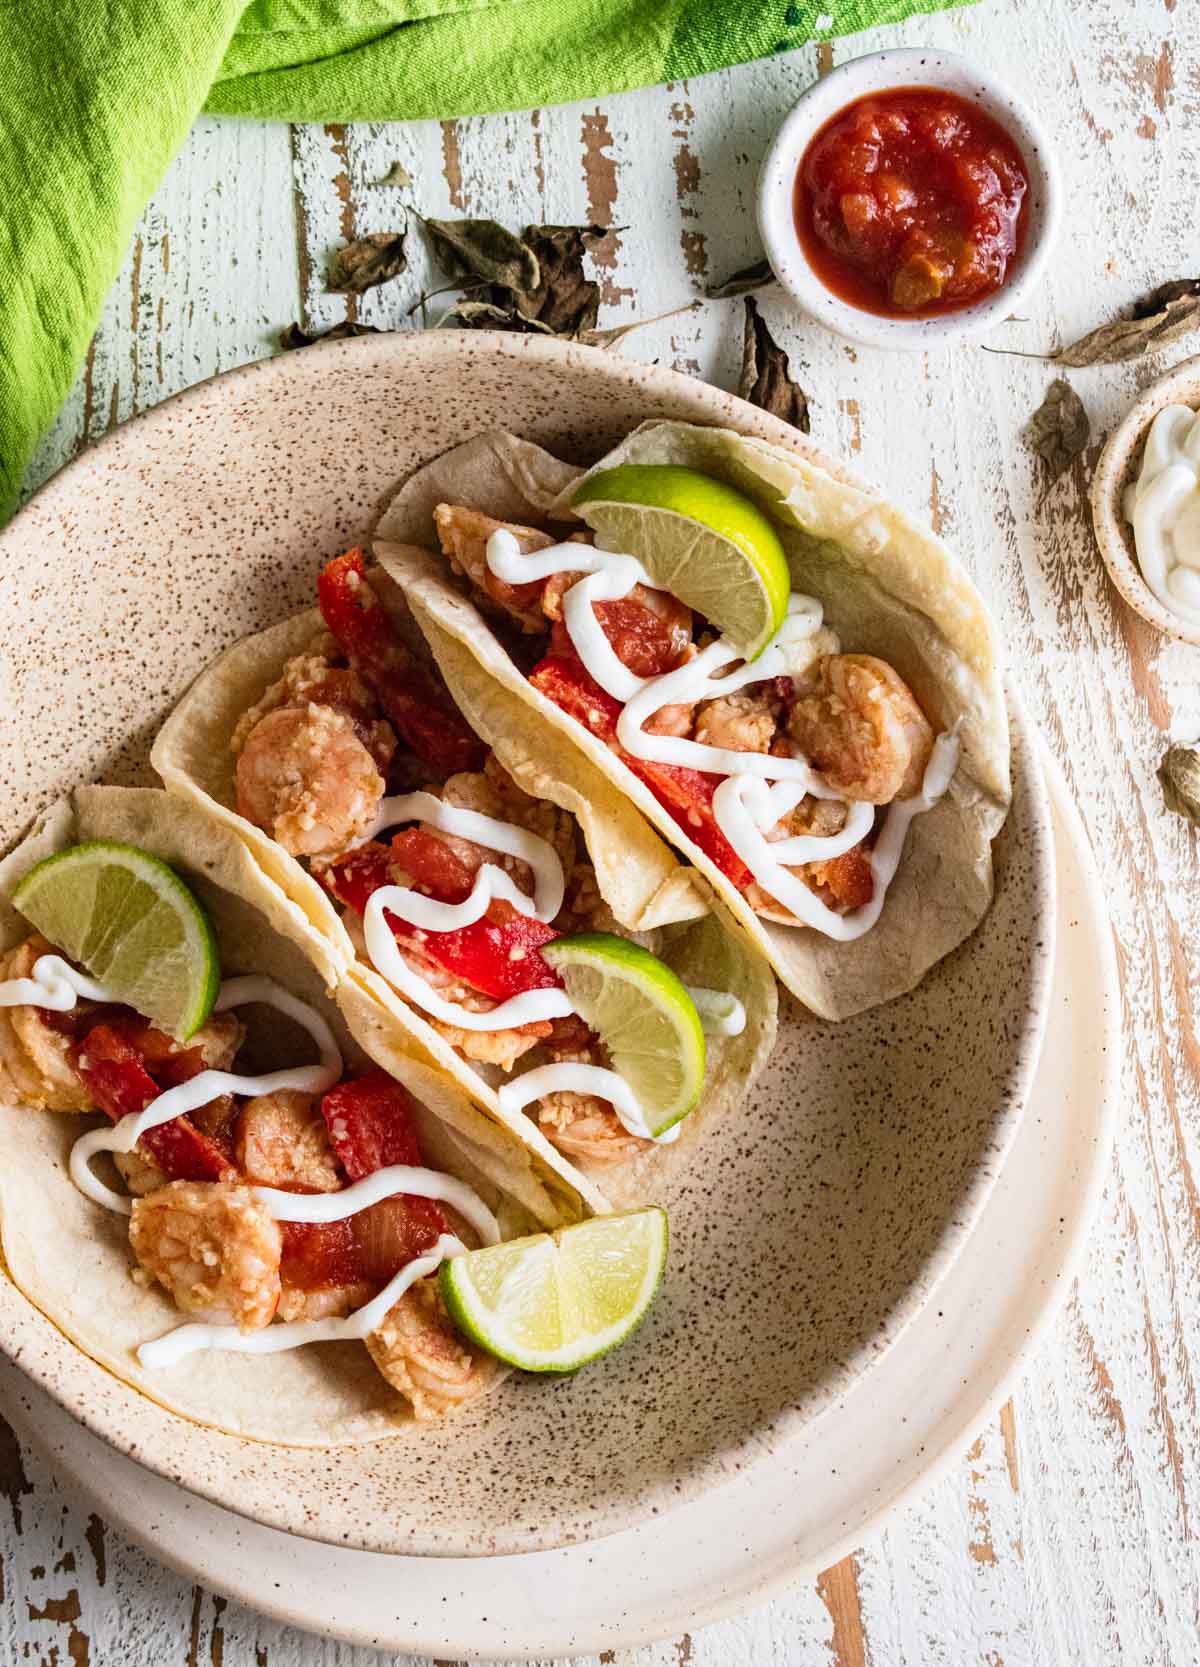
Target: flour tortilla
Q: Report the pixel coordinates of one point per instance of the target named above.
(639, 876)
(71, 1257)
(888, 587)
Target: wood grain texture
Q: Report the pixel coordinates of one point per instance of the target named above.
(1067, 1535)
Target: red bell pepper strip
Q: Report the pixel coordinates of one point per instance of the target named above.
(686, 793)
(119, 1083)
(370, 1123)
(498, 955)
(422, 714)
(432, 866)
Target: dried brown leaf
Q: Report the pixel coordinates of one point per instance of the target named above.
(489, 315)
(766, 379)
(1130, 338)
(757, 276)
(616, 334)
(484, 251)
(1059, 428)
(1179, 776)
(294, 335)
(368, 261)
(397, 174)
(564, 298)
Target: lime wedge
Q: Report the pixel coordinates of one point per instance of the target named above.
(129, 921)
(644, 1016)
(553, 1302)
(698, 538)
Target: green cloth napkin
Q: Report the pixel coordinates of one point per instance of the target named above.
(96, 96)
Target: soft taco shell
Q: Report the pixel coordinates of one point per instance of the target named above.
(71, 1258)
(888, 587)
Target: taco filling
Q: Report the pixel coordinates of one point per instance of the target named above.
(453, 880)
(796, 771)
(275, 1209)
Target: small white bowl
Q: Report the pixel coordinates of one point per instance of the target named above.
(881, 72)
(1118, 468)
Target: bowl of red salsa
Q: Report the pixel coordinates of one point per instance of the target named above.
(909, 199)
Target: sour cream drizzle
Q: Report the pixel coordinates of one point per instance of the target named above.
(746, 808)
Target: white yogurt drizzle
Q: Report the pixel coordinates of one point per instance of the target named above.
(1164, 509)
(745, 807)
(721, 1014)
(55, 984)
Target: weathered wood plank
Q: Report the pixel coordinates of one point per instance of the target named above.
(1068, 1533)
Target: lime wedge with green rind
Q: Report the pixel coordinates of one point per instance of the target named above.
(642, 1013)
(131, 923)
(699, 539)
(555, 1301)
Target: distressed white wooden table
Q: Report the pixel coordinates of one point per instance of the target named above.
(1068, 1533)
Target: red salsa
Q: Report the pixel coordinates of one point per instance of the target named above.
(912, 203)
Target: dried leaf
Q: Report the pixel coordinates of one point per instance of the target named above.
(295, 336)
(617, 333)
(1059, 428)
(757, 276)
(564, 298)
(1130, 338)
(397, 174)
(1174, 290)
(368, 261)
(487, 315)
(1179, 774)
(766, 380)
(483, 250)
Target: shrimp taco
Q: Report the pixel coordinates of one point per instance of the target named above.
(275, 1185)
(796, 684)
(517, 923)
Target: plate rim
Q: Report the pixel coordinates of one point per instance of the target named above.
(938, 1258)
(1068, 1252)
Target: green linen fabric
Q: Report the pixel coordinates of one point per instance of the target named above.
(96, 96)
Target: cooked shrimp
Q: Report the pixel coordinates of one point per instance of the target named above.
(139, 1173)
(282, 1141)
(323, 1302)
(584, 1126)
(744, 721)
(858, 723)
(312, 679)
(306, 778)
(421, 1354)
(842, 883)
(213, 1247)
(35, 1064)
(463, 534)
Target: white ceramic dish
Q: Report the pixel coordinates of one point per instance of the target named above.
(878, 72)
(923, 1404)
(1117, 469)
(860, 1169)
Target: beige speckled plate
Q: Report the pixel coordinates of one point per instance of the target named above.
(820, 1218)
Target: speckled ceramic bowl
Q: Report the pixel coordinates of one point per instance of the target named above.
(1117, 470)
(908, 66)
(816, 1221)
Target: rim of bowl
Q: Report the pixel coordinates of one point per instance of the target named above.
(1117, 469)
(877, 72)
(208, 1462)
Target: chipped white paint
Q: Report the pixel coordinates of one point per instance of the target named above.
(1068, 1534)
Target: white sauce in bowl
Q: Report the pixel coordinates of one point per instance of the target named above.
(1163, 507)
